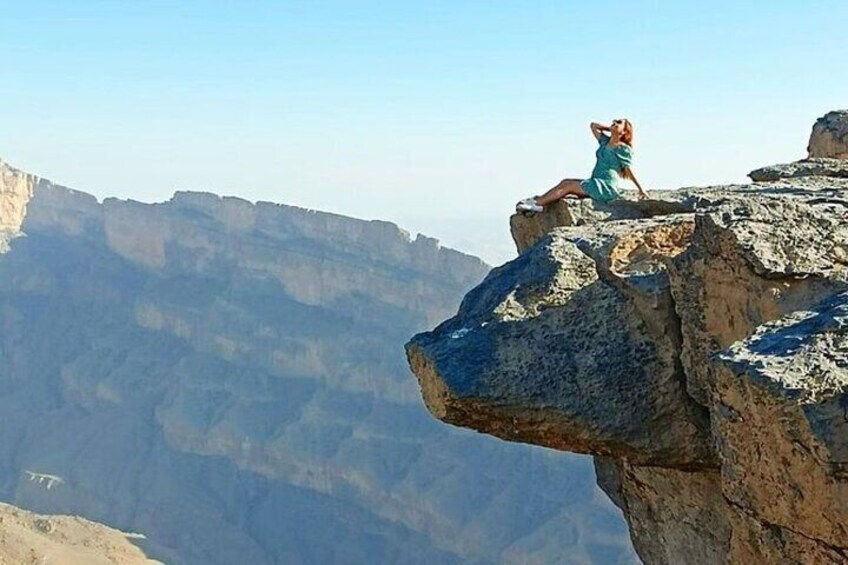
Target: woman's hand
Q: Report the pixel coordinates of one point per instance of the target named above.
(597, 129)
(627, 173)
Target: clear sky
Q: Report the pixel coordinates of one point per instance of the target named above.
(436, 115)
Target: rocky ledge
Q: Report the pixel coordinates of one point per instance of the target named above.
(696, 345)
(26, 537)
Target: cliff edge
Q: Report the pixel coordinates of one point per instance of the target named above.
(696, 346)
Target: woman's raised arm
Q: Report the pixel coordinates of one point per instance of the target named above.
(597, 129)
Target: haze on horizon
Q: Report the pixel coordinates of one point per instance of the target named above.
(436, 116)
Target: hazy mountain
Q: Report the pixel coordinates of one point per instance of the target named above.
(229, 379)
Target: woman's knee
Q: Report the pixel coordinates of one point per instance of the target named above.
(574, 187)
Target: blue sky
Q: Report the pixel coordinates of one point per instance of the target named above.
(436, 115)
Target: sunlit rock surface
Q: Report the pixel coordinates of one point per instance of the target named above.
(70, 540)
(547, 372)
(830, 136)
(695, 345)
(793, 371)
(822, 167)
(229, 379)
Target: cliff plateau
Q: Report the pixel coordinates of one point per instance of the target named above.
(696, 346)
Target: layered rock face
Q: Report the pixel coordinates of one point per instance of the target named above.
(228, 379)
(696, 346)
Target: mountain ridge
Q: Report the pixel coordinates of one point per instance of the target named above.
(228, 378)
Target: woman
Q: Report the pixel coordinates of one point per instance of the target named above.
(614, 155)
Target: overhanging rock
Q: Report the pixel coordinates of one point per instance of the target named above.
(573, 345)
(697, 347)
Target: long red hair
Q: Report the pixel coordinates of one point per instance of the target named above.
(627, 134)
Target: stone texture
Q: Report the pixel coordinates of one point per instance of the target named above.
(752, 260)
(69, 540)
(804, 168)
(754, 541)
(730, 299)
(674, 516)
(583, 319)
(527, 229)
(793, 371)
(830, 136)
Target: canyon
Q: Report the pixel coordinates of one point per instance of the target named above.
(227, 378)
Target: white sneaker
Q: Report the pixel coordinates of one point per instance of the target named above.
(528, 205)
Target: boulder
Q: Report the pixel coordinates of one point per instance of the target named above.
(830, 136)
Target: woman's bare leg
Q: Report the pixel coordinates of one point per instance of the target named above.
(565, 187)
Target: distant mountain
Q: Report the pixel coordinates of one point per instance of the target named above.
(229, 379)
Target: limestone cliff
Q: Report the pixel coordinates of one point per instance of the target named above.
(15, 191)
(228, 378)
(697, 346)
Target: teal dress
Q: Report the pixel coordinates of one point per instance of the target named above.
(606, 179)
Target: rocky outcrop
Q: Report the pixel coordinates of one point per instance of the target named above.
(15, 191)
(228, 378)
(804, 168)
(780, 412)
(16, 188)
(696, 346)
(528, 229)
(830, 136)
(540, 361)
(32, 538)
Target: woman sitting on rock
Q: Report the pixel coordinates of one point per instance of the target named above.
(615, 153)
